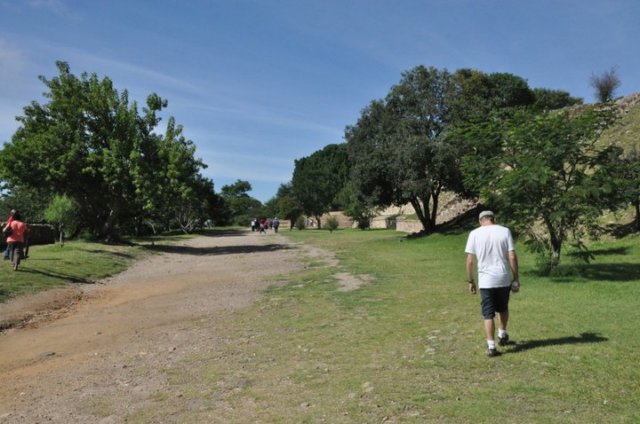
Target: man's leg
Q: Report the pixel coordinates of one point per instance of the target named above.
(489, 329)
(503, 318)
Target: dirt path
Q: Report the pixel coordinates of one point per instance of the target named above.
(116, 339)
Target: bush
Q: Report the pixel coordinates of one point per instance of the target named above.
(300, 223)
(332, 223)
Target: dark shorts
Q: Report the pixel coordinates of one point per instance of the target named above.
(494, 300)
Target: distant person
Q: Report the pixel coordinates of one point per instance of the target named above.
(7, 251)
(16, 239)
(276, 224)
(493, 248)
(263, 226)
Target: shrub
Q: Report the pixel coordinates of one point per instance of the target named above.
(300, 223)
(332, 223)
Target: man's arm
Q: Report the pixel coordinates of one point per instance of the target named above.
(513, 262)
(470, 267)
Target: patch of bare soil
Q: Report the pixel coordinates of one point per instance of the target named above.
(75, 350)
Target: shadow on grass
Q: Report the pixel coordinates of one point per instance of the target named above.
(4, 294)
(225, 250)
(107, 252)
(569, 340)
(65, 277)
(615, 272)
(623, 230)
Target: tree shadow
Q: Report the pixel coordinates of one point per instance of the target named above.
(586, 337)
(108, 252)
(622, 230)
(227, 232)
(215, 250)
(610, 251)
(59, 275)
(615, 272)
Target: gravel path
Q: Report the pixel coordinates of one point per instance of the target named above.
(115, 339)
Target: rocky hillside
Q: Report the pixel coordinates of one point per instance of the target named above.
(626, 132)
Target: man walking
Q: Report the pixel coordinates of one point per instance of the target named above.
(492, 247)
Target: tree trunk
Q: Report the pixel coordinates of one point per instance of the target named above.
(423, 213)
(435, 196)
(319, 222)
(111, 224)
(637, 224)
(555, 239)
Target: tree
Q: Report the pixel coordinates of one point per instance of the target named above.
(318, 178)
(355, 208)
(547, 99)
(545, 168)
(239, 208)
(395, 148)
(30, 201)
(629, 171)
(605, 85)
(90, 143)
(286, 205)
(63, 213)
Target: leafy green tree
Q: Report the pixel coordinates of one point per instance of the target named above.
(90, 143)
(396, 149)
(547, 99)
(63, 213)
(318, 178)
(629, 171)
(475, 94)
(545, 168)
(239, 207)
(355, 208)
(30, 201)
(286, 205)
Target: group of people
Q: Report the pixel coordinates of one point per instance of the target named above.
(16, 232)
(264, 224)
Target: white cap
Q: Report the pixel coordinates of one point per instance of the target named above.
(486, 213)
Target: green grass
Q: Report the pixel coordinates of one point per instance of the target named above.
(77, 262)
(53, 266)
(409, 347)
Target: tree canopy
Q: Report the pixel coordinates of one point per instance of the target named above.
(318, 179)
(236, 206)
(398, 150)
(545, 169)
(90, 143)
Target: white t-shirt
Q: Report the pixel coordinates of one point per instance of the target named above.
(491, 245)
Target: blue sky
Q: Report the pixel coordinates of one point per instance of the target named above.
(259, 83)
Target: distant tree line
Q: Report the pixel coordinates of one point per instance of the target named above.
(89, 161)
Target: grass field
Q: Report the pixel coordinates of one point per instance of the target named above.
(77, 262)
(409, 347)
